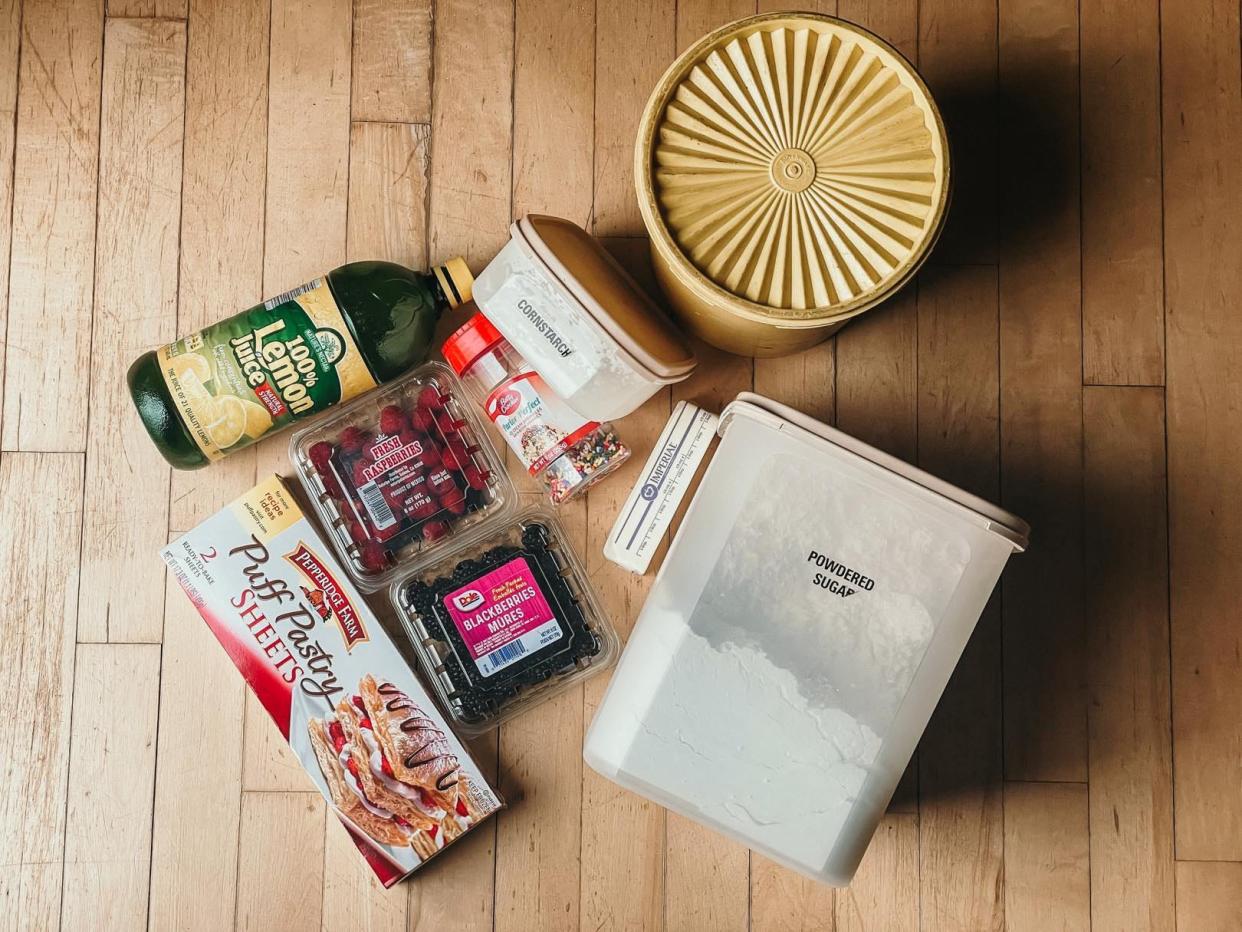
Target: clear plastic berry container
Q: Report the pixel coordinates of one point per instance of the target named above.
(504, 620)
(401, 473)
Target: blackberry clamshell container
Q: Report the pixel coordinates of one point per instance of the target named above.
(504, 621)
(400, 474)
(801, 630)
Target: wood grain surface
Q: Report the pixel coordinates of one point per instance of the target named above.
(1070, 350)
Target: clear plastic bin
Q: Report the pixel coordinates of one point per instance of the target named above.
(401, 473)
(807, 618)
(503, 622)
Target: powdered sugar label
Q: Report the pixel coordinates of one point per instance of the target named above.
(503, 616)
(537, 425)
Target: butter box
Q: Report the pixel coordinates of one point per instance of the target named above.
(353, 712)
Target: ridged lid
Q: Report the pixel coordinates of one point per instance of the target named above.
(796, 163)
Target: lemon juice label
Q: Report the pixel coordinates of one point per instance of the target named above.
(285, 359)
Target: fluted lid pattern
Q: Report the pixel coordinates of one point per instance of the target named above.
(800, 164)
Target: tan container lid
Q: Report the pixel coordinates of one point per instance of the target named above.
(792, 168)
(608, 294)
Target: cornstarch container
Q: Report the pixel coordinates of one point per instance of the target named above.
(805, 622)
(580, 320)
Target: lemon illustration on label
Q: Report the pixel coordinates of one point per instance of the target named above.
(226, 423)
(192, 366)
(258, 419)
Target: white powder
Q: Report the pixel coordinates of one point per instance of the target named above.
(764, 712)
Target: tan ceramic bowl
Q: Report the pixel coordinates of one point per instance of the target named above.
(793, 171)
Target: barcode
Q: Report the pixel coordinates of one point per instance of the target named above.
(289, 295)
(373, 501)
(506, 654)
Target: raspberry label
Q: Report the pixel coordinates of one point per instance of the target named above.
(503, 616)
(258, 371)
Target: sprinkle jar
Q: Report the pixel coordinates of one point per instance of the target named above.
(566, 452)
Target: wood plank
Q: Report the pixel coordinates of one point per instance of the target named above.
(10, 42)
(53, 240)
(1122, 238)
(199, 758)
(554, 56)
(961, 834)
(388, 193)
(472, 126)
(957, 56)
(540, 753)
(306, 207)
(1128, 646)
(111, 779)
(623, 81)
(222, 207)
(39, 541)
(135, 309)
(392, 61)
(623, 837)
(884, 894)
(539, 839)
(806, 381)
(469, 213)
(285, 829)
(1041, 391)
(353, 900)
(1203, 280)
(783, 901)
(1047, 876)
(162, 9)
(1209, 896)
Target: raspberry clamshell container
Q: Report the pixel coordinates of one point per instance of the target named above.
(401, 474)
(504, 621)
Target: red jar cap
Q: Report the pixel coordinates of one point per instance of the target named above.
(470, 341)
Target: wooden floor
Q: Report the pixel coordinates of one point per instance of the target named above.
(1074, 350)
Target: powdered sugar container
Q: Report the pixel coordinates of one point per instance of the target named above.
(791, 651)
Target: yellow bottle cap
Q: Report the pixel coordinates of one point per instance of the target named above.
(455, 281)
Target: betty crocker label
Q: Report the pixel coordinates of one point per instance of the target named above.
(537, 425)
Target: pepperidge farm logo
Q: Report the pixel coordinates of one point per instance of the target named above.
(307, 562)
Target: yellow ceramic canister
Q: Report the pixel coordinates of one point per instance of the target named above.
(792, 171)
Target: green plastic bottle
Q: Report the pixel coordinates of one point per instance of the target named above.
(221, 389)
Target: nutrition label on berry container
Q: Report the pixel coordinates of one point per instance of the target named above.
(503, 616)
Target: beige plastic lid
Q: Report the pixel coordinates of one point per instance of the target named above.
(783, 417)
(608, 294)
(792, 168)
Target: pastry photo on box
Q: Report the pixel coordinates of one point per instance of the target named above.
(317, 658)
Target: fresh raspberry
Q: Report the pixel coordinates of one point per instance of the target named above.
(372, 555)
(451, 460)
(445, 422)
(352, 439)
(392, 420)
(434, 530)
(430, 397)
(430, 456)
(409, 435)
(332, 486)
(360, 477)
(475, 477)
(424, 419)
(321, 454)
(456, 506)
(357, 532)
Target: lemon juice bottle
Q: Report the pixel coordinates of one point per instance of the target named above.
(226, 386)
